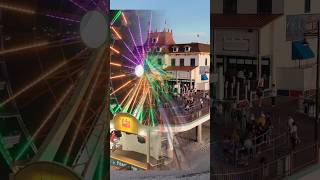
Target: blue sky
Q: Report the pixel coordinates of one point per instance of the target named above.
(186, 18)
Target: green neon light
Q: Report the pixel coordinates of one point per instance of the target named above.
(5, 152)
(116, 17)
(23, 149)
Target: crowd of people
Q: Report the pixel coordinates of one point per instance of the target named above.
(191, 97)
(248, 139)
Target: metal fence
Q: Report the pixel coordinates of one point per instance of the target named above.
(281, 167)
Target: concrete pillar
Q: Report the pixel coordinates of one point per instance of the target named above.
(199, 133)
(148, 148)
(226, 89)
(220, 84)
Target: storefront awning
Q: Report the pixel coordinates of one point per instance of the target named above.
(301, 51)
(204, 77)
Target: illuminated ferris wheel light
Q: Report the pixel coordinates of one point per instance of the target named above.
(138, 70)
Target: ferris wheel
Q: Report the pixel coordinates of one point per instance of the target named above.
(52, 82)
(138, 81)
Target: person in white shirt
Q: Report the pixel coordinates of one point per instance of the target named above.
(201, 103)
(290, 123)
(273, 95)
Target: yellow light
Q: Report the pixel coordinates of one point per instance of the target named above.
(115, 50)
(124, 85)
(23, 48)
(118, 76)
(115, 64)
(124, 18)
(39, 79)
(126, 97)
(57, 106)
(116, 32)
(136, 93)
(17, 9)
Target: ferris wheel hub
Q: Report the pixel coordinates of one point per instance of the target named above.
(93, 29)
(139, 70)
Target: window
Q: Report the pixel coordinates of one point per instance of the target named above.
(175, 49)
(307, 6)
(192, 62)
(206, 62)
(160, 61)
(181, 62)
(173, 62)
(229, 6)
(154, 40)
(264, 6)
(187, 49)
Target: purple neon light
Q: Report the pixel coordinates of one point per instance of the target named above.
(62, 18)
(149, 31)
(78, 5)
(142, 45)
(128, 59)
(135, 45)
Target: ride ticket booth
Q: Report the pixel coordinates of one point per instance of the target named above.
(132, 145)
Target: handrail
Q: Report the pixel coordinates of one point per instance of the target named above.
(183, 127)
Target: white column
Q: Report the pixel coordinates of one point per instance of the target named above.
(148, 147)
(199, 133)
(220, 84)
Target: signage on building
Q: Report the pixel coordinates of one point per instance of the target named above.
(126, 123)
(298, 25)
(202, 70)
(115, 162)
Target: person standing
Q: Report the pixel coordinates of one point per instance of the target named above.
(201, 103)
(290, 123)
(273, 95)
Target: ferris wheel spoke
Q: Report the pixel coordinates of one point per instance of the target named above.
(122, 86)
(44, 122)
(136, 94)
(135, 45)
(42, 44)
(142, 44)
(41, 78)
(149, 31)
(82, 115)
(47, 13)
(78, 4)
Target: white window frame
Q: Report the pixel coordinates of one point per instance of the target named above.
(187, 49)
(154, 40)
(175, 49)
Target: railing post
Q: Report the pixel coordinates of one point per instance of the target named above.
(226, 89)
(232, 89)
(238, 91)
(246, 92)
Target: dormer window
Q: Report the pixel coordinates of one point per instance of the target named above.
(154, 40)
(158, 49)
(187, 49)
(175, 49)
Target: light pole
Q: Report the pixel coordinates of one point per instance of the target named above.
(317, 86)
(317, 81)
